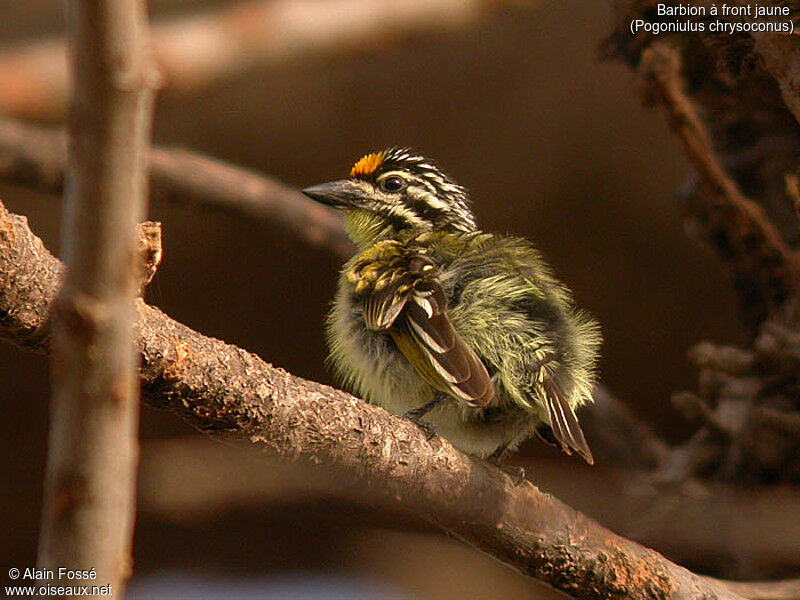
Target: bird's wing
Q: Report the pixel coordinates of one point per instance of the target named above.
(563, 421)
(407, 301)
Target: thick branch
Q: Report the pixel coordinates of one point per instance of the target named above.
(90, 483)
(205, 49)
(234, 394)
(36, 158)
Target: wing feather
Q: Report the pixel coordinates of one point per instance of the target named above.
(563, 420)
(403, 297)
(382, 307)
(464, 374)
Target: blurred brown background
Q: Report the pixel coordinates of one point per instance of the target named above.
(554, 145)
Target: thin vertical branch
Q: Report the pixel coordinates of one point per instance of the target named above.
(88, 514)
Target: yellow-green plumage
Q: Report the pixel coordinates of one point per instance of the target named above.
(505, 320)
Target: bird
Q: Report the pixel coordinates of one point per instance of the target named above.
(466, 333)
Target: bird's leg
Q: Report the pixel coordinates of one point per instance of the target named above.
(517, 474)
(415, 416)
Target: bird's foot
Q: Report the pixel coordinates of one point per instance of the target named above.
(516, 473)
(416, 418)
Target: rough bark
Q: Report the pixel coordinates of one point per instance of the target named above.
(87, 521)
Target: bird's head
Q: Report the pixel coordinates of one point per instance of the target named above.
(395, 190)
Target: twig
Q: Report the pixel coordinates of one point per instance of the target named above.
(233, 394)
(87, 521)
(36, 157)
(148, 252)
(765, 269)
(205, 49)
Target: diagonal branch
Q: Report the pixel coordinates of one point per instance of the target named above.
(183, 176)
(233, 394)
(37, 158)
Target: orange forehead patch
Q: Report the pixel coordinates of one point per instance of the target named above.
(367, 165)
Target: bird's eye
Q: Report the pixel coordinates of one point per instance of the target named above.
(393, 184)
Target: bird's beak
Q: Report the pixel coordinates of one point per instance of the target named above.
(339, 194)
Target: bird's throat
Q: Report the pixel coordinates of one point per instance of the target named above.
(366, 228)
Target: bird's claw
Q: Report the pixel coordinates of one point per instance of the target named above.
(516, 473)
(427, 428)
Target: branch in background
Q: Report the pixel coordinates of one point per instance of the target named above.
(235, 395)
(767, 590)
(618, 437)
(188, 177)
(714, 527)
(90, 481)
(765, 269)
(206, 49)
(36, 158)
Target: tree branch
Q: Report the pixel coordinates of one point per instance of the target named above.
(205, 49)
(90, 482)
(233, 394)
(713, 526)
(788, 589)
(36, 158)
(765, 269)
(183, 176)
